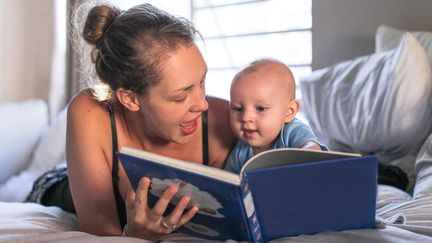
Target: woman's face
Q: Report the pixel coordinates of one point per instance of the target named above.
(171, 110)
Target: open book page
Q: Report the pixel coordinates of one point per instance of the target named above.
(208, 171)
(283, 156)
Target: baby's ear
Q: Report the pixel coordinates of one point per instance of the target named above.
(128, 99)
(292, 109)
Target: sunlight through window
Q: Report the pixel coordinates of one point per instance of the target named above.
(236, 32)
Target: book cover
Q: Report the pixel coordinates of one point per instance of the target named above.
(282, 192)
(308, 193)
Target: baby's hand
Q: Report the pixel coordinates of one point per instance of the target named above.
(311, 145)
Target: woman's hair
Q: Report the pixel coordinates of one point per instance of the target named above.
(128, 47)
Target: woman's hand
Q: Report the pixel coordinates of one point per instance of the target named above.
(144, 222)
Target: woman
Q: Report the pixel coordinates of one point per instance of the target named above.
(155, 79)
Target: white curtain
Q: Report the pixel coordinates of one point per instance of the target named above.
(57, 90)
(33, 51)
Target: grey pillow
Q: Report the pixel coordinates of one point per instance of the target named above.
(388, 38)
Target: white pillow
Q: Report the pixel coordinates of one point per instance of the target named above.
(388, 38)
(49, 152)
(21, 125)
(21, 221)
(379, 103)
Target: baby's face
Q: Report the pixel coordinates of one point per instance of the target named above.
(258, 111)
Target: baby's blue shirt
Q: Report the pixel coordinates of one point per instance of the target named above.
(293, 135)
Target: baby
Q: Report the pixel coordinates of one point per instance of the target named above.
(263, 110)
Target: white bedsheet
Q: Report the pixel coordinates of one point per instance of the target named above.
(400, 218)
(28, 222)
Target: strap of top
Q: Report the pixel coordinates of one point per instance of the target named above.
(114, 171)
(121, 208)
(205, 152)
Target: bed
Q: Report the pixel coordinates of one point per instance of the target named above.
(349, 123)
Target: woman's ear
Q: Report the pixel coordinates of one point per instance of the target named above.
(128, 99)
(292, 109)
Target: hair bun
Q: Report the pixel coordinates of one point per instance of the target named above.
(99, 20)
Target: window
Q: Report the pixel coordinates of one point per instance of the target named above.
(236, 32)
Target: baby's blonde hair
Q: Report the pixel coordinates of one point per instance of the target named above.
(261, 63)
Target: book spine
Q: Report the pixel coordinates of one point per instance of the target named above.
(254, 226)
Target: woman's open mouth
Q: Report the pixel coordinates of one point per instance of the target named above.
(189, 127)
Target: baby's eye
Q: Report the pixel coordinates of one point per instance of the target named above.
(261, 108)
(236, 108)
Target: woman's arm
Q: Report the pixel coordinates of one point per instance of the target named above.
(89, 166)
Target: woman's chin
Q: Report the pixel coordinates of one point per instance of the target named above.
(183, 139)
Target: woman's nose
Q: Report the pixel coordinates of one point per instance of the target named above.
(203, 105)
(200, 102)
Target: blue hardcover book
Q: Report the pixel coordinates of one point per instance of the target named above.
(280, 192)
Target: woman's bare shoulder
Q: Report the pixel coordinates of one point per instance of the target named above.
(84, 101)
(85, 105)
(218, 106)
(87, 114)
(221, 136)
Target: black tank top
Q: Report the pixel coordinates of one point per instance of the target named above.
(121, 209)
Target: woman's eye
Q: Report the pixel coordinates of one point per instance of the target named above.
(261, 108)
(180, 99)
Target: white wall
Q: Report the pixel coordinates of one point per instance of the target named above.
(26, 40)
(343, 29)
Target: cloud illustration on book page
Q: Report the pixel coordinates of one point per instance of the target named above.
(207, 204)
